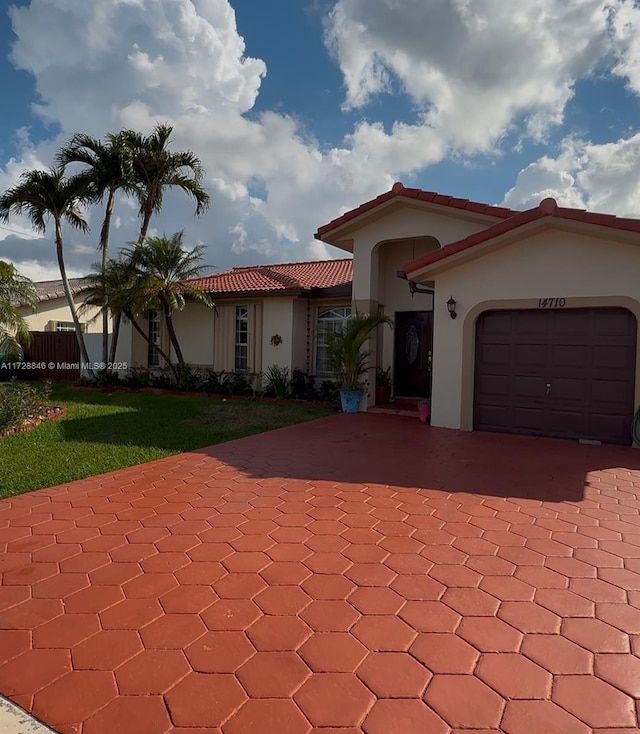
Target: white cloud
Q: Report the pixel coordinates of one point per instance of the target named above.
(600, 177)
(472, 70)
(471, 67)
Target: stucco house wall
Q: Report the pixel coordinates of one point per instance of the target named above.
(50, 311)
(586, 270)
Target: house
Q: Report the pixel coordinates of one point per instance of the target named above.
(265, 315)
(520, 322)
(52, 312)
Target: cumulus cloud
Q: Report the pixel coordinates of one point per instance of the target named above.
(473, 71)
(601, 177)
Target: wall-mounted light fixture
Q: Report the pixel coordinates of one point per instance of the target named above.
(451, 307)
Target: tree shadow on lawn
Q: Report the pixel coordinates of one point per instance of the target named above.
(397, 451)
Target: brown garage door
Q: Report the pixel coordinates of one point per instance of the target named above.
(565, 372)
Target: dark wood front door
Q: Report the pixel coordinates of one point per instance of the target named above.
(412, 354)
(566, 373)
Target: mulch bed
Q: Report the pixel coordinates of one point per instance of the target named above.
(29, 423)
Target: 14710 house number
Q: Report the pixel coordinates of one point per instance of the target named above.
(551, 302)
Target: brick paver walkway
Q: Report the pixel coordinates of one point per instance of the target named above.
(353, 574)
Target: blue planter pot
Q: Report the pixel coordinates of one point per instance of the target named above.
(350, 400)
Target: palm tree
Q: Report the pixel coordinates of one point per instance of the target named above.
(15, 291)
(345, 347)
(48, 195)
(118, 289)
(164, 270)
(156, 168)
(107, 169)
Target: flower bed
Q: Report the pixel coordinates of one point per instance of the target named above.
(29, 423)
(23, 405)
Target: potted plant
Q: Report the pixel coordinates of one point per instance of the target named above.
(350, 362)
(383, 385)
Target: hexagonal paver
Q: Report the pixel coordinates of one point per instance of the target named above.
(464, 701)
(507, 588)
(350, 700)
(394, 675)
(201, 572)
(564, 603)
(525, 717)
(379, 600)
(231, 614)
(106, 650)
(529, 617)
(75, 696)
(285, 573)
(287, 600)
(471, 602)
(204, 700)
(268, 717)
(33, 670)
(384, 633)
(333, 652)
(622, 671)
(595, 635)
(146, 715)
(430, 616)
(453, 576)
(323, 587)
(188, 599)
(445, 653)
(489, 634)
(593, 701)
(152, 672)
(130, 614)
(370, 574)
(219, 652)
(278, 633)
(557, 654)
(273, 674)
(66, 631)
(418, 588)
(330, 616)
(402, 716)
(172, 631)
(513, 676)
(239, 586)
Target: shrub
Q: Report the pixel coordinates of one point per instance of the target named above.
(276, 380)
(20, 401)
(303, 386)
(137, 378)
(329, 391)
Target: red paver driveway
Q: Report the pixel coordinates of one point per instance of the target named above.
(353, 574)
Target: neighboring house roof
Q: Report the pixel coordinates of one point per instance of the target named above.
(399, 190)
(547, 209)
(279, 279)
(46, 290)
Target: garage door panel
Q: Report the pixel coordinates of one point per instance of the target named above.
(532, 357)
(610, 392)
(526, 386)
(586, 356)
(609, 357)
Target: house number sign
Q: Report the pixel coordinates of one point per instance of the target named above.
(551, 302)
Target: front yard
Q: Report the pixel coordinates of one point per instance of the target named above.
(102, 432)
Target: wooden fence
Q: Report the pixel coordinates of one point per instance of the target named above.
(51, 356)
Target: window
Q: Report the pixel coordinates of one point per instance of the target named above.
(331, 320)
(153, 356)
(65, 326)
(242, 338)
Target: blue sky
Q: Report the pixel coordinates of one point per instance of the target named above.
(301, 109)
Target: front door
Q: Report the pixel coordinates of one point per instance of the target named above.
(412, 354)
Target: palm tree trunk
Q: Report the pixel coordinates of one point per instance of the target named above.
(147, 211)
(145, 336)
(104, 251)
(172, 336)
(114, 337)
(84, 355)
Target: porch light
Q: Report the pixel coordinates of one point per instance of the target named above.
(451, 307)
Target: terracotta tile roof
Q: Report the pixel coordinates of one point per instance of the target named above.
(280, 278)
(399, 190)
(547, 208)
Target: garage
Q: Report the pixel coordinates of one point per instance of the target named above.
(554, 371)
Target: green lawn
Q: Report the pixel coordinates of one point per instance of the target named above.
(105, 431)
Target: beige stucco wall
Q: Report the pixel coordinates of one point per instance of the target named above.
(57, 310)
(277, 319)
(194, 328)
(408, 222)
(586, 271)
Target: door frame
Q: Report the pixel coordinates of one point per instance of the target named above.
(430, 367)
(469, 339)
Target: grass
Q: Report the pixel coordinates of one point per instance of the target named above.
(102, 432)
